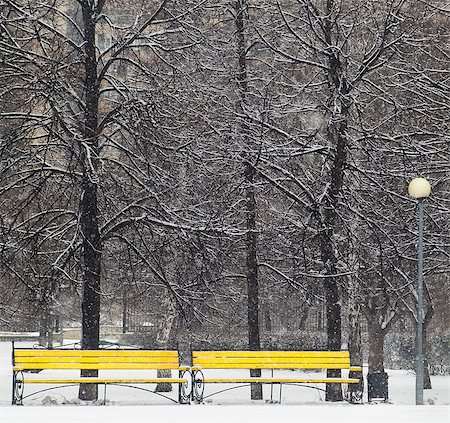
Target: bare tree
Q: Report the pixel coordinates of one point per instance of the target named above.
(83, 72)
(343, 50)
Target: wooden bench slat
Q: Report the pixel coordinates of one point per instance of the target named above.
(268, 366)
(99, 366)
(275, 380)
(103, 381)
(90, 359)
(28, 359)
(267, 360)
(93, 353)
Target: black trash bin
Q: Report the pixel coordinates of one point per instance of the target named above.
(377, 384)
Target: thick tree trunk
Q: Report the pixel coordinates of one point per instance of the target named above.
(334, 336)
(92, 247)
(377, 379)
(337, 139)
(165, 334)
(376, 345)
(90, 304)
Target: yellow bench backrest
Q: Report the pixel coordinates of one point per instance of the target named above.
(271, 359)
(27, 359)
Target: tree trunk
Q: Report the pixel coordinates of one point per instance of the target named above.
(92, 247)
(426, 369)
(376, 345)
(254, 341)
(90, 304)
(46, 327)
(124, 308)
(240, 7)
(355, 349)
(334, 336)
(426, 322)
(331, 282)
(337, 139)
(163, 337)
(426, 375)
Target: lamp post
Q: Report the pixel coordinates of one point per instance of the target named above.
(419, 189)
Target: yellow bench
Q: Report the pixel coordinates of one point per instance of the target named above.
(307, 360)
(37, 360)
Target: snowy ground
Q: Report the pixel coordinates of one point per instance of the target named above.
(298, 404)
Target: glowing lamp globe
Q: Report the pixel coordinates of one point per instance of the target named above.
(419, 188)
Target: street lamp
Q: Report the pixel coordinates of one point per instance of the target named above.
(419, 189)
